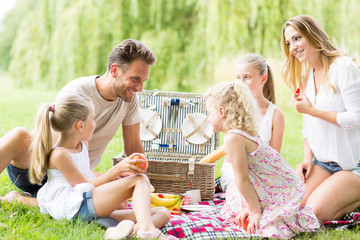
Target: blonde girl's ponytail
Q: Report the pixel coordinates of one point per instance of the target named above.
(61, 117)
(269, 89)
(41, 145)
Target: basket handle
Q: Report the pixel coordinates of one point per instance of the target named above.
(175, 177)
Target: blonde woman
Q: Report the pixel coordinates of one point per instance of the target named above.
(266, 195)
(326, 86)
(72, 190)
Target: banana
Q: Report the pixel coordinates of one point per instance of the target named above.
(166, 202)
(177, 205)
(167, 195)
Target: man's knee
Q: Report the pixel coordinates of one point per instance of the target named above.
(20, 136)
(14, 148)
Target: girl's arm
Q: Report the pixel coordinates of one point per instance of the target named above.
(278, 125)
(235, 146)
(61, 159)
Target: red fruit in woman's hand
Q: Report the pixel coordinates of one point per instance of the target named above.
(143, 165)
(297, 90)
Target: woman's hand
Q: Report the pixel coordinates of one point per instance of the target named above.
(302, 103)
(303, 170)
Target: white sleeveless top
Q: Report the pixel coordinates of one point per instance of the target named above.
(57, 197)
(265, 132)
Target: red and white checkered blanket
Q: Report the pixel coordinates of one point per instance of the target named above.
(349, 221)
(208, 224)
(203, 225)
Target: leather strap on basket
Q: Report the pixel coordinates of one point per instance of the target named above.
(146, 124)
(197, 128)
(191, 170)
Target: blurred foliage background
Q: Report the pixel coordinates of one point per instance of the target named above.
(46, 43)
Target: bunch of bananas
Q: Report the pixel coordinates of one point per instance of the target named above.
(170, 201)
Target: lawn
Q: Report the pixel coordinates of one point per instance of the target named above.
(18, 108)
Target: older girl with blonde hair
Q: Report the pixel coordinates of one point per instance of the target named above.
(255, 72)
(266, 195)
(326, 86)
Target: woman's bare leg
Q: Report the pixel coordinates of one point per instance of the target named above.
(337, 195)
(317, 176)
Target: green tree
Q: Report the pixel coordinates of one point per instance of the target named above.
(53, 42)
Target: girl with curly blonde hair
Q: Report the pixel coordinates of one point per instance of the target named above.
(265, 196)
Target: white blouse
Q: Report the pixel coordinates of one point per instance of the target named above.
(330, 142)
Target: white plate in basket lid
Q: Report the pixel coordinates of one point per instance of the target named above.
(150, 125)
(196, 129)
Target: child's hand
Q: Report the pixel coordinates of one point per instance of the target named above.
(242, 219)
(128, 165)
(254, 219)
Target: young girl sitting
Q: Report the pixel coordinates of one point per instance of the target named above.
(256, 73)
(72, 190)
(266, 192)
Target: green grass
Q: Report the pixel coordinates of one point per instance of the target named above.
(18, 108)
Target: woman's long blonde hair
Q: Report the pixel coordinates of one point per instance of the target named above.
(241, 109)
(294, 73)
(61, 117)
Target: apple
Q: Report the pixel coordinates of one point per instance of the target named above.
(143, 165)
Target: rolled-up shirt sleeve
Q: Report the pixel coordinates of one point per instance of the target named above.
(349, 86)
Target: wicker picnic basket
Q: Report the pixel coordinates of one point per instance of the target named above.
(174, 156)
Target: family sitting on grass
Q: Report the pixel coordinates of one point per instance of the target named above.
(55, 163)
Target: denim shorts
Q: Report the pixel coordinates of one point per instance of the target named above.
(20, 178)
(87, 210)
(334, 167)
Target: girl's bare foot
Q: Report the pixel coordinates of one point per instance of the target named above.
(16, 196)
(13, 196)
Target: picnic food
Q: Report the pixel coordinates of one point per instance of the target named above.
(215, 155)
(142, 165)
(171, 201)
(246, 223)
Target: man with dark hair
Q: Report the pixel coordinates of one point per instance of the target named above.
(114, 98)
